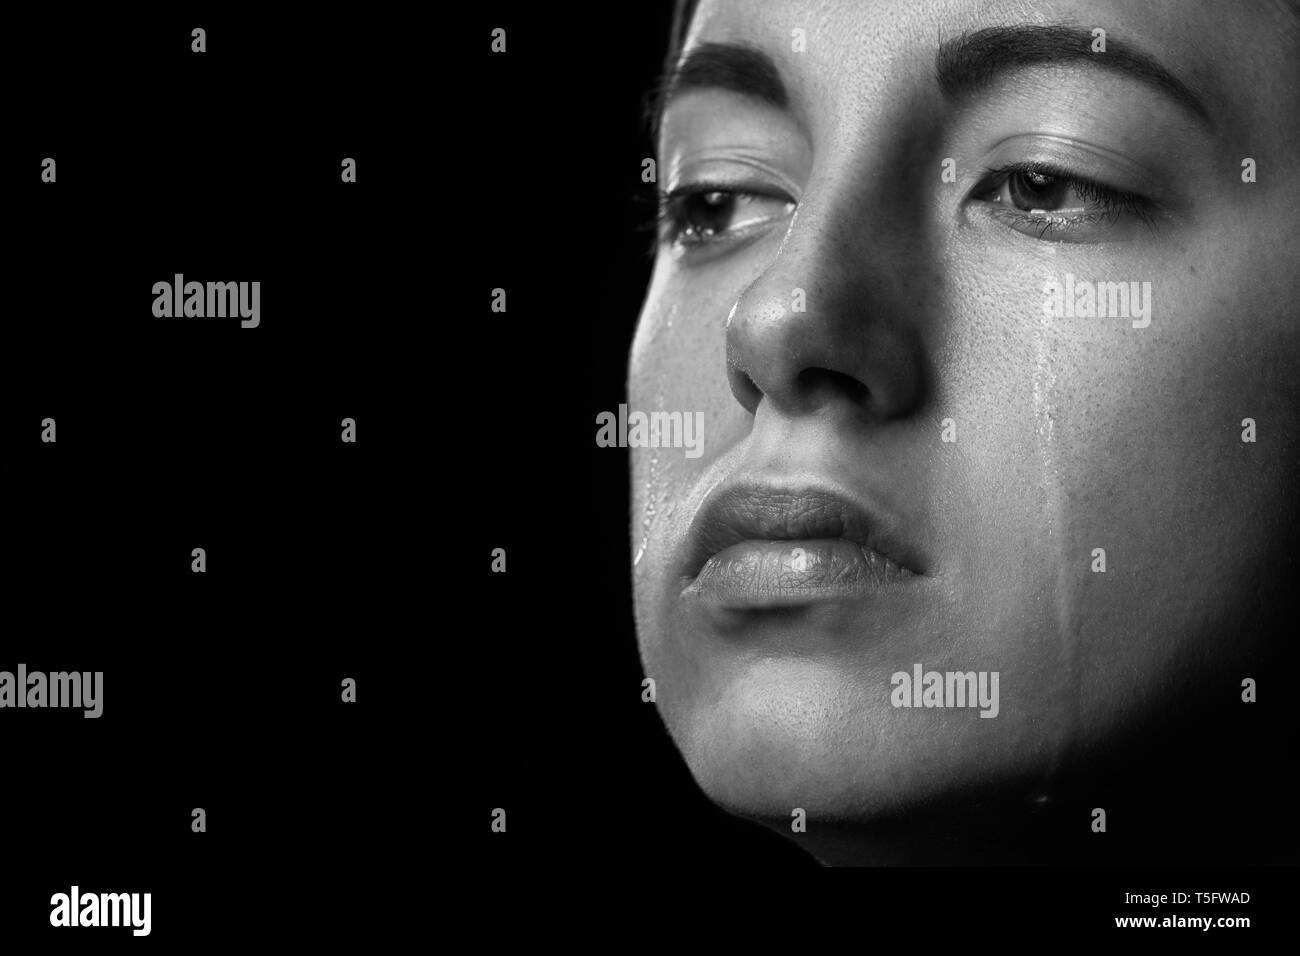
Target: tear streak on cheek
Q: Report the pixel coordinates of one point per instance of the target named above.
(1046, 397)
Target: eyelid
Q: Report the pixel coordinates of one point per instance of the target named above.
(737, 166)
(670, 199)
(1105, 208)
(1084, 161)
(1089, 189)
(711, 186)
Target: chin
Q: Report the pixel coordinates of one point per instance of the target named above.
(784, 735)
(760, 752)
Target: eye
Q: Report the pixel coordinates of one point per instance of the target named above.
(1033, 191)
(1054, 205)
(701, 214)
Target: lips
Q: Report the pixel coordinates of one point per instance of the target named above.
(757, 545)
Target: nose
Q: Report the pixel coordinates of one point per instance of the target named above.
(831, 323)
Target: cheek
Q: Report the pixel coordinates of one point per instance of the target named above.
(1163, 522)
(1150, 438)
(678, 355)
(678, 367)
(1190, 516)
(1078, 436)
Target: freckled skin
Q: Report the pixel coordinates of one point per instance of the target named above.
(1072, 434)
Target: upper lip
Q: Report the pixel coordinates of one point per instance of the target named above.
(750, 512)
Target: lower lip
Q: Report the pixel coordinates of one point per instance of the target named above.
(757, 574)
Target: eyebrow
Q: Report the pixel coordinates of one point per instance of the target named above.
(968, 63)
(718, 66)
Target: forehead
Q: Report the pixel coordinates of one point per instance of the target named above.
(833, 52)
(1178, 20)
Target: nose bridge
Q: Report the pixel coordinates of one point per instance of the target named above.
(771, 316)
(838, 316)
(781, 290)
(820, 322)
(875, 133)
(859, 219)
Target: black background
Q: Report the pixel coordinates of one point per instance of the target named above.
(330, 822)
(221, 690)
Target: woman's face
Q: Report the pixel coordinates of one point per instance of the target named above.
(892, 278)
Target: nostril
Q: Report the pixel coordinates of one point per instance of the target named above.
(818, 381)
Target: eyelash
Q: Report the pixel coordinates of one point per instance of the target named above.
(1113, 202)
(670, 205)
(667, 222)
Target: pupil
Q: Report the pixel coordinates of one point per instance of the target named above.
(1031, 191)
(710, 212)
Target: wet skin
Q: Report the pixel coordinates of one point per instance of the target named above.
(923, 319)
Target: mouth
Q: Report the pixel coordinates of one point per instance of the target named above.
(767, 546)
